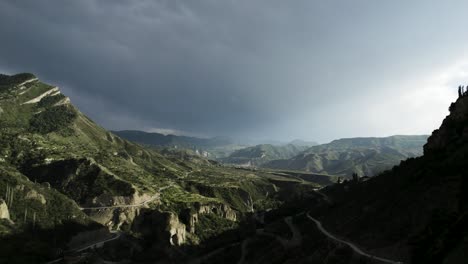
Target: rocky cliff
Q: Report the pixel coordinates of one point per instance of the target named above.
(118, 212)
(453, 131)
(191, 215)
(174, 228)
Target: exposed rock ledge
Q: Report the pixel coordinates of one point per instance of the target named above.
(116, 217)
(4, 213)
(191, 216)
(172, 228)
(453, 131)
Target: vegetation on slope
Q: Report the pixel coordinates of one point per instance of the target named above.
(260, 154)
(55, 153)
(365, 156)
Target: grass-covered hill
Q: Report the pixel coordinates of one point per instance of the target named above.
(56, 163)
(41, 129)
(44, 137)
(260, 154)
(217, 147)
(365, 156)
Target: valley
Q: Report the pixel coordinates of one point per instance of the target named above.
(51, 147)
(86, 194)
(233, 132)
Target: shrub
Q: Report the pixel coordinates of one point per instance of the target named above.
(210, 225)
(15, 79)
(52, 119)
(49, 101)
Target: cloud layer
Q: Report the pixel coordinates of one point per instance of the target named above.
(315, 70)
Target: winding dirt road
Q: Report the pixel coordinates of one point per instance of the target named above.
(116, 235)
(351, 245)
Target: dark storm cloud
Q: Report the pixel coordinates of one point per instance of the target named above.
(272, 69)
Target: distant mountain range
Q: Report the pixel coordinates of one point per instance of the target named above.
(216, 147)
(261, 154)
(365, 156)
(303, 143)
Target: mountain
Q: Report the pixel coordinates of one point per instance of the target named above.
(71, 191)
(365, 156)
(216, 147)
(417, 212)
(303, 143)
(260, 154)
(65, 182)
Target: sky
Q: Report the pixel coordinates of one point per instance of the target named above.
(246, 69)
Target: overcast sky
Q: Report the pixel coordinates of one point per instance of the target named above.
(315, 70)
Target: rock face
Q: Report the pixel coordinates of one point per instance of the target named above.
(4, 213)
(172, 228)
(33, 195)
(119, 214)
(190, 216)
(453, 131)
(176, 230)
(222, 210)
(161, 226)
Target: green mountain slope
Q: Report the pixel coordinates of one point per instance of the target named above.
(61, 169)
(260, 154)
(365, 156)
(47, 139)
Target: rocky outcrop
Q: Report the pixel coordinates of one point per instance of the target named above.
(110, 200)
(453, 131)
(161, 226)
(117, 212)
(33, 195)
(176, 230)
(4, 213)
(173, 229)
(222, 210)
(191, 215)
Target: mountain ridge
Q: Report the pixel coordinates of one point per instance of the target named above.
(87, 179)
(260, 154)
(426, 196)
(215, 147)
(363, 155)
